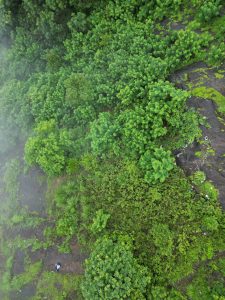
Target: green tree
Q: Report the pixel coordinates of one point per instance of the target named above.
(49, 147)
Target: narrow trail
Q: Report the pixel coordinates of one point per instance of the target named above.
(213, 164)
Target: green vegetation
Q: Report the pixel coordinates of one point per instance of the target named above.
(30, 273)
(113, 273)
(209, 10)
(86, 97)
(48, 147)
(47, 287)
(208, 287)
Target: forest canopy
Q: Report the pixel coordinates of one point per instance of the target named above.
(87, 89)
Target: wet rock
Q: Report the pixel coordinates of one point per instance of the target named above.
(18, 264)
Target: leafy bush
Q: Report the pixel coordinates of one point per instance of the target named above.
(187, 45)
(5, 17)
(156, 165)
(103, 133)
(15, 109)
(112, 272)
(206, 285)
(210, 223)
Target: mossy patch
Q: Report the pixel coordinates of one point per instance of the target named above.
(211, 152)
(202, 70)
(219, 76)
(198, 178)
(209, 191)
(221, 71)
(210, 94)
(198, 154)
(222, 121)
(9, 283)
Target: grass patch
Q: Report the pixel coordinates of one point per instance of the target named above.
(9, 283)
(30, 274)
(6, 275)
(56, 286)
(205, 187)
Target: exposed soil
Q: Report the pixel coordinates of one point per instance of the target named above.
(25, 293)
(18, 266)
(212, 164)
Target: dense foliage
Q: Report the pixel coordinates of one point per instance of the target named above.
(85, 88)
(170, 219)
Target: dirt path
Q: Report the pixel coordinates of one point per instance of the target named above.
(213, 164)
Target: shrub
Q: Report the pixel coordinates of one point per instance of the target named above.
(216, 54)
